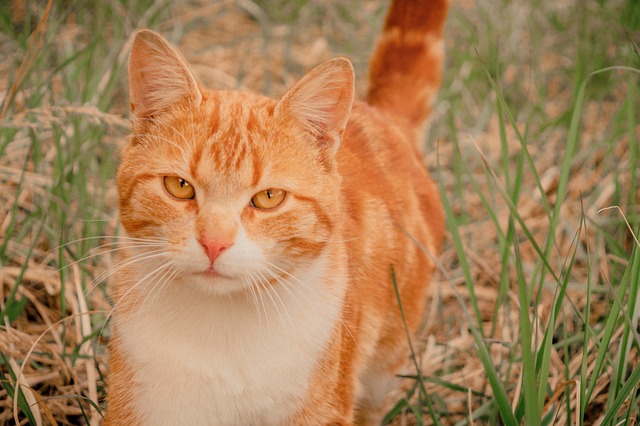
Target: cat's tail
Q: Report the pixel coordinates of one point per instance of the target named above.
(406, 67)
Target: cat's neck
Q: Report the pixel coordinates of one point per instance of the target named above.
(190, 340)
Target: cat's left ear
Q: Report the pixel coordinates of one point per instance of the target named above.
(321, 101)
(158, 75)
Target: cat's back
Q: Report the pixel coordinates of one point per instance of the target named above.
(383, 170)
(393, 221)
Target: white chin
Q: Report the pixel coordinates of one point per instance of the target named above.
(217, 284)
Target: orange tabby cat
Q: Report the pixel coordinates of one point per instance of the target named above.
(255, 288)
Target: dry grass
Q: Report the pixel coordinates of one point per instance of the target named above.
(59, 200)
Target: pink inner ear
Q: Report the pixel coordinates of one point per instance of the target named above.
(322, 99)
(158, 75)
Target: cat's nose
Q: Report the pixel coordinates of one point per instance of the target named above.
(213, 248)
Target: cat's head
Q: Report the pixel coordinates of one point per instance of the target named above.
(227, 189)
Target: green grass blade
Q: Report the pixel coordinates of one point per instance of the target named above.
(608, 331)
(459, 247)
(543, 360)
(10, 389)
(530, 386)
(626, 392)
(499, 391)
(629, 334)
(423, 388)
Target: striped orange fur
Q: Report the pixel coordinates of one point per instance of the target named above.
(253, 285)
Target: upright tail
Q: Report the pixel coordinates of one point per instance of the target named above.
(406, 67)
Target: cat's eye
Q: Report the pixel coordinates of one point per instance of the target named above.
(179, 188)
(268, 199)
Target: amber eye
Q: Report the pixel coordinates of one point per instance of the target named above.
(179, 188)
(268, 199)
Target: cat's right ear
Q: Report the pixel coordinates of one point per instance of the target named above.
(321, 101)
(158, 75)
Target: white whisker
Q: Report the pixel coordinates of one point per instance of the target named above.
(108, 237)
(169, 273)
(313, 292)
(144, 279)
(252, 290)
(302, 285)
(284, 282)
(267, 288)
(256, 282)
(110, 251)
(138, 258)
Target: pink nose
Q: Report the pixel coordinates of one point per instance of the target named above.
(213, 248)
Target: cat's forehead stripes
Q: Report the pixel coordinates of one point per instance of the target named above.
(234, 132)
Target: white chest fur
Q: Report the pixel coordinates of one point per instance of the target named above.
(201, 359)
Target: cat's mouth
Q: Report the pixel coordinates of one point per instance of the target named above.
(212, 272)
